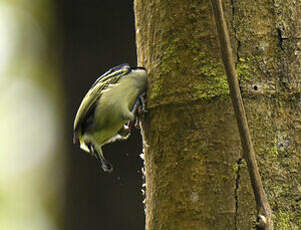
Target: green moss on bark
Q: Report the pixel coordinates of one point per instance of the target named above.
(191, 140)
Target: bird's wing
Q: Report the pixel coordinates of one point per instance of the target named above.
(90, 100)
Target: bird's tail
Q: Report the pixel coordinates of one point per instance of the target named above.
(75, 138)
(105, 165)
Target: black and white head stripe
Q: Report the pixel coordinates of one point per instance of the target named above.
(138, 67)
(122, 69)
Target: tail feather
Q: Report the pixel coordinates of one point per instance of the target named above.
(105, 165)
(75, 138)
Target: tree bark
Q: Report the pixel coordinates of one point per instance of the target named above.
(195, 177)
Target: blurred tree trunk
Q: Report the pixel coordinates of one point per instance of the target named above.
(195, 177)
(32, 143)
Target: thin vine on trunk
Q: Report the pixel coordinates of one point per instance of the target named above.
(263, 208)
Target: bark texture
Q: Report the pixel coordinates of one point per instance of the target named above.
(195, 177)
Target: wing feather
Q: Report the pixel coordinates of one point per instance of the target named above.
(94, 94)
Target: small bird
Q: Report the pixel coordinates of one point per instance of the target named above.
(109, 109)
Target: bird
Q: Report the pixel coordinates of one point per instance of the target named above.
(109, 108)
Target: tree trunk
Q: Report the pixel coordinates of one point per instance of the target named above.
(195, 175)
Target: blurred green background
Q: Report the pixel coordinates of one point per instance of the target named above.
(50, 54)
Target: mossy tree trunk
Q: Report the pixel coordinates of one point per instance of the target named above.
(195, 175)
